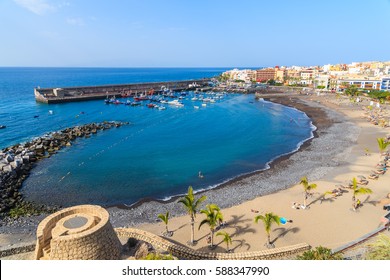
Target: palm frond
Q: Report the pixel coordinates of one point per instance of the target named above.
(163, 217)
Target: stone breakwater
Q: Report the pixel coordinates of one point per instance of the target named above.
(17, 161)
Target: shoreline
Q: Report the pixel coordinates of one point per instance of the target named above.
(285, 171)
(335, 157)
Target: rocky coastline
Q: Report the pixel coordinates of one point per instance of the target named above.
(17, 161)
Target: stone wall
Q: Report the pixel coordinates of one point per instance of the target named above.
(96, 242)
(184, 252)
(17, 250)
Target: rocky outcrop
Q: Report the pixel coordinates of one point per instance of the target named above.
(17, 161)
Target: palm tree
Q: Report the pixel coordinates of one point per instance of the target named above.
(226, 238)
(165, 219)
(320, 253)
(352, 90)
(268, 219)
(307, 188)
(356, 190)
(382, 144)
(191, 205)
(380, 249)
(213, 217)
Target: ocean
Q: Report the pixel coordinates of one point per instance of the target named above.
(159, 154)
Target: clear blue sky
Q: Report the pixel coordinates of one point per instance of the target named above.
(183, 33)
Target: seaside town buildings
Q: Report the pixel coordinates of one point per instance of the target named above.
(374, 75)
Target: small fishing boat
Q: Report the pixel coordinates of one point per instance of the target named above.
(2, 126)
(161, 107)
(196, 107)
(136, 103)
(151, 105)
(204, 104)
(128, 102)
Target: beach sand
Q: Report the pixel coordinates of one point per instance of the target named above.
(334, 156)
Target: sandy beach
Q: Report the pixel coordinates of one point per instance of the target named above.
(334, 156)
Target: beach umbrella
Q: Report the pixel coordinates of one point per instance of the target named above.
(283, 220)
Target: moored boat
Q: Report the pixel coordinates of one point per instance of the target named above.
(176, 103)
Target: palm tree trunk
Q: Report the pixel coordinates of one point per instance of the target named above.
(212, 238)
(304, 200)
(192, 230)
(269, 239)
(166, 228)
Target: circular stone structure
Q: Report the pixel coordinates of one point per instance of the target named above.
(81, 232)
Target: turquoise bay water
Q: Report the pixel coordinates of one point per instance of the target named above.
(159, 154)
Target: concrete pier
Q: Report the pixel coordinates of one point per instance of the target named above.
(72, 94)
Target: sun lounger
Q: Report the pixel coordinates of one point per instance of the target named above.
(379, 171)
(373, 176)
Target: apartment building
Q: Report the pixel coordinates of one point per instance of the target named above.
(385, 83)
(368, 84)
(263, 75)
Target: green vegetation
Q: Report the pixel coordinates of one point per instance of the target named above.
(352, 90)
(320, 253)
(223, 78)
(213, 217)
(307, 189)
(268, 220)
(191, 205)
(380, 95)
(165, 219)
(380, 249)
(320, 87)
(157, 256)
(226, 238)
(356, 190)
(271, 82)
(23, 208)
(382, 144)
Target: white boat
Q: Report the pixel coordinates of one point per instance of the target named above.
(194, 98)
(161, 108)
(196, 107)
(176, 103)
(212, 101)
(204, 104)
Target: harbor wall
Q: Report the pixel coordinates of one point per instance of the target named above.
(73, 94)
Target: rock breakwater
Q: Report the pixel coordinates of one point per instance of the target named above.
(17, 161)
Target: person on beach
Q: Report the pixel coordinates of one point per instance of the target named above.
(284, 221)
(296, 206)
